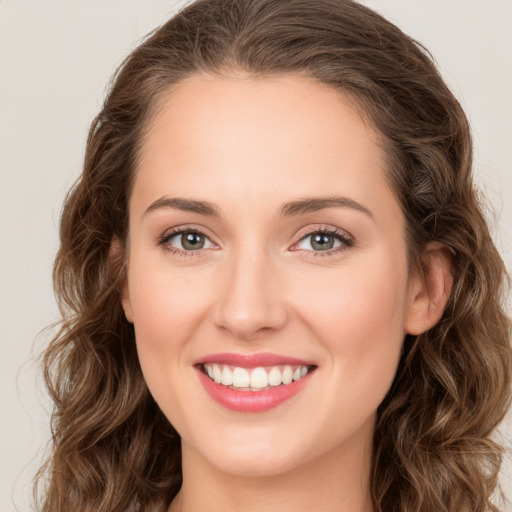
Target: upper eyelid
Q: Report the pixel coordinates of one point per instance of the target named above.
(323, 228)
(186, 228)
(300, 233)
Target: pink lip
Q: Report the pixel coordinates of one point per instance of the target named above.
(250, 401)
(252, 360)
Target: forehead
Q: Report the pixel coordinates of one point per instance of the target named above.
(260, 137)
(245, 112)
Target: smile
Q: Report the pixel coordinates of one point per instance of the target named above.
(253, 382)
(248, 398)
(255, 379)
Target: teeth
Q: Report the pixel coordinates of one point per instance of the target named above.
(259, 378)
(287, 375)
(241, 378)
(274, 376)
(256, 378)
(217, 373)
(226, 377)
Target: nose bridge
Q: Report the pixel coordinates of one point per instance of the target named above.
(251, 301)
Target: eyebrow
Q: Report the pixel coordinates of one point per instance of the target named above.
(298, 207)
(186, 205)
(313, 204)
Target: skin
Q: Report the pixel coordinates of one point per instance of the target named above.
(248, 145)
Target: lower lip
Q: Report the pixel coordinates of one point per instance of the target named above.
(251, 401)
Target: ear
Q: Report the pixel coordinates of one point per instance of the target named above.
(429, 289)
(116, 256)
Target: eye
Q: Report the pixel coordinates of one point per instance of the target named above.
(186, 240)
(325, 240)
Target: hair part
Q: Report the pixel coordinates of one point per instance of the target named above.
(112, 446)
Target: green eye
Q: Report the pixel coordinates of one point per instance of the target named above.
(187, 240)
(321, 241)
(190, 241)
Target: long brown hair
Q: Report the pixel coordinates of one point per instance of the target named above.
(112, 446)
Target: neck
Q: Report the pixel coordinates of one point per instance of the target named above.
(335, 481)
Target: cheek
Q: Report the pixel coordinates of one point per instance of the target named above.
(167, 307)
(358, 315)
(360, 298)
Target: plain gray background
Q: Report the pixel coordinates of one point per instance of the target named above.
(56, 58)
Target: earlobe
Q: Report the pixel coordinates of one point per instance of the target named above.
(125, 302)
(429, 289)
(117, 261)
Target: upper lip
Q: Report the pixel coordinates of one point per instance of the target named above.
(252, 360)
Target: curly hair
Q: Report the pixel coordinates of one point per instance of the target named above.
(112, 447)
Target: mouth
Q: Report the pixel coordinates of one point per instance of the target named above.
(253, 383)
(254, 379)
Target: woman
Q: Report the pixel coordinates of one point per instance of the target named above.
(277, 285)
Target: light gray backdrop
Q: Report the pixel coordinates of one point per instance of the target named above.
(55, 61)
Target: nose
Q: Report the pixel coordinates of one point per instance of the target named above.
(251, 302)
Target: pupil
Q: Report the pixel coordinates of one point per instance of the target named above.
(322, 242)
(192, 241)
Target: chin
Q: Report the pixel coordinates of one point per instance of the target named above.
(260, 465)
(254, 454)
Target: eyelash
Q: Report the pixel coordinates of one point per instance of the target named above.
(164, 241)
(346, 241)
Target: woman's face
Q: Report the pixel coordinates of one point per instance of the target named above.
(261, 223)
